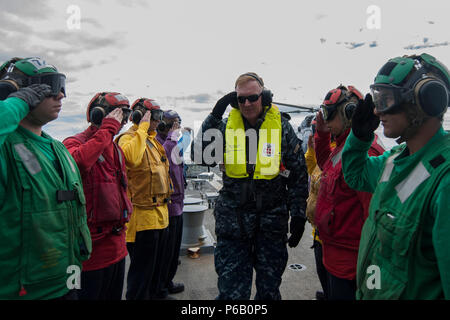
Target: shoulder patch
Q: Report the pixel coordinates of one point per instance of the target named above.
(297, 147)
(437, 161)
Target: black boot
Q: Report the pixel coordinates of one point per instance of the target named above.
(175, 287)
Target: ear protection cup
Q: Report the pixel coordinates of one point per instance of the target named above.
(162, 126)
(6, 88)
(266, 97)
(349, 109)
(136, 116)
(96, 115)
(431, 96)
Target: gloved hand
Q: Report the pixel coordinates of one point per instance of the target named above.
(223, 103)
(364, 121)
(320, 123)
(33, 95)
(296, 228)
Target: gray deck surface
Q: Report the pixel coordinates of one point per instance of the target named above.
(200, 278)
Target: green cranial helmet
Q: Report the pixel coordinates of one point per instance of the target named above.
(31, 71)
(415, 80)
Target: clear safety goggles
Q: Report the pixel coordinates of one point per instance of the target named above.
(388, 98)
(328, 112)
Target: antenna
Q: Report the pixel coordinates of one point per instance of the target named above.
(301, 108)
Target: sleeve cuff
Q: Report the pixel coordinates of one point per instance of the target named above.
(358, 143)
(143, 126)
(112, 124)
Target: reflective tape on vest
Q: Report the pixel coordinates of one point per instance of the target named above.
(389, 166)
(70, 162)
(412, 182)
(336, 158)
(28, 158)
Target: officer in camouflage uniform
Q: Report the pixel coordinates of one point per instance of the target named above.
(258, 194)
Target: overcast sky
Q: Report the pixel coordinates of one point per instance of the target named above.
(187, 54)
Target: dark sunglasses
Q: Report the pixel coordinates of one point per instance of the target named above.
(57, 82)
(251, 98)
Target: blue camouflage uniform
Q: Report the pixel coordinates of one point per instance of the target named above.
(252, 218)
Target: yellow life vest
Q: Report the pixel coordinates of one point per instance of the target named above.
(149, 182)
(269, 146)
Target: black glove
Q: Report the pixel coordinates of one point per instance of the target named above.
(296, 229)
(223, 103)
(364, 121)
(33, 95)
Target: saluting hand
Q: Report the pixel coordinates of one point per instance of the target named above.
(146, 117)
(320, 123)
(175, 126)
(116, 114)
(33, 95)
(364, 121)
(222, 104)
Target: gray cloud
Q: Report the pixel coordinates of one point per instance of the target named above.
(19, 44)
(319, 16)
(9, 23)
(133, 3)
(196, 109)
(36, 9)
(197, 98)
(82, 41)
(71, 80)
(92, 22)
(200, 98)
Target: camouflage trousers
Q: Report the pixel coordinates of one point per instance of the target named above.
(235, 260)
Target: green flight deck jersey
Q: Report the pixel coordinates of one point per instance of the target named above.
(404, 250)
(44, 235)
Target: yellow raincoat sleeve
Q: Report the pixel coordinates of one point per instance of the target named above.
(310, 157)
(133, 146)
